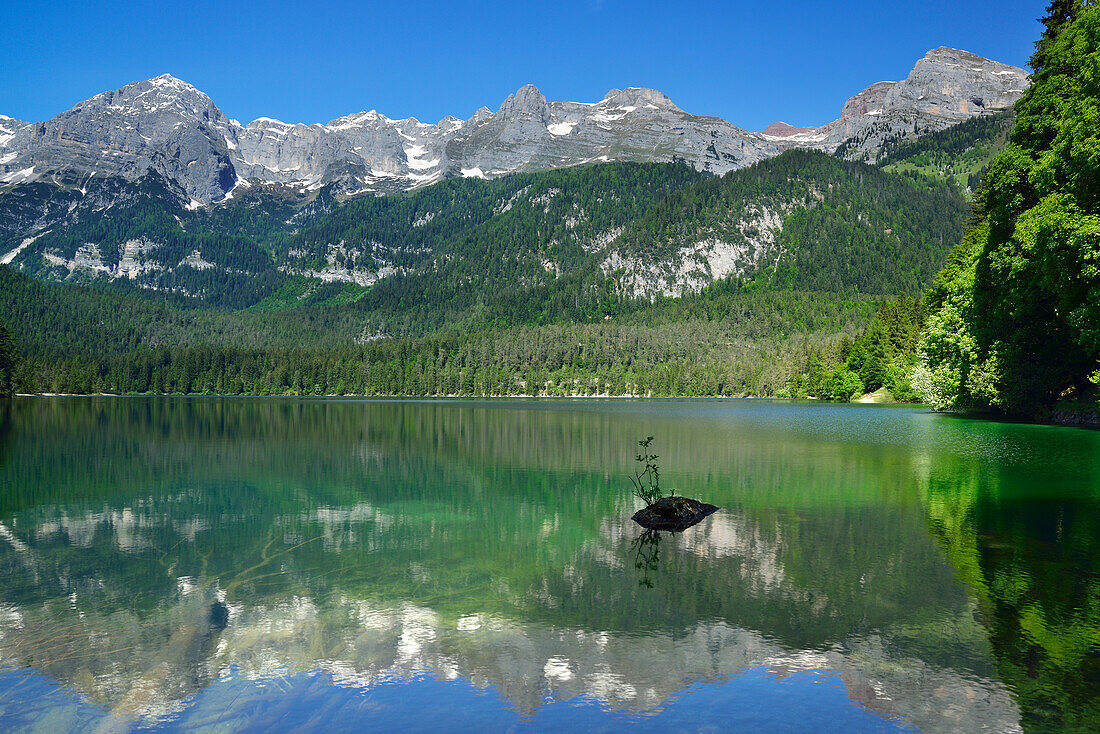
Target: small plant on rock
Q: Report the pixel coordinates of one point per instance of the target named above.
(647, 482)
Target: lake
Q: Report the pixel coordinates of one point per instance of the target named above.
(223, 564)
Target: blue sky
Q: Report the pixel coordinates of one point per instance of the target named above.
(751, 63)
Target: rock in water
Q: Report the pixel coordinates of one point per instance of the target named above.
(219, 615)
(673, 513)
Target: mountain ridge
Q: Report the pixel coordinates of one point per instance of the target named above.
(170, 126)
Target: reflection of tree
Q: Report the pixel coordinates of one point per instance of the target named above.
(646, 549)
(1032, 562)
(7, 431)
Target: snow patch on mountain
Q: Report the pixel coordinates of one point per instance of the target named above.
(561, 128)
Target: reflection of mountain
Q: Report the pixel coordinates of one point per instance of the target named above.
(363, 644)
(373, 541)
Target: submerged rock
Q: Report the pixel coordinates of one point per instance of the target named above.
(673, 513)
(219, 616)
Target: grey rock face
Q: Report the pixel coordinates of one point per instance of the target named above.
(945, 87)
(161, 124)
(169, 126)
(626, 125)
(9, 128)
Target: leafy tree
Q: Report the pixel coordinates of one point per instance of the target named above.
(647, 481)
(1016, 318)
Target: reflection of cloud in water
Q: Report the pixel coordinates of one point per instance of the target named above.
(11, 619)
(9, 536)
(123, 525)
(127, 527)
(131, 528)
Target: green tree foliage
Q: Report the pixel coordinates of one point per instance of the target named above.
(515, 250)
(492, 287)
(523, 249)
(692, 358)
(1015, 323)
(723, 341)
(9, 360)
(215, 268)
(881, 356)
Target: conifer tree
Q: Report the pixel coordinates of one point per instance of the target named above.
(9, 359)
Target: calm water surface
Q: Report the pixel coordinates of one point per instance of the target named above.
(298, 565)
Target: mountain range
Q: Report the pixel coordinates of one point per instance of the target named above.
(168, 126)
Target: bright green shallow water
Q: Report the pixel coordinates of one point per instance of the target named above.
(472, 565)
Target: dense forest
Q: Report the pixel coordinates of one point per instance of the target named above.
(1013, 320)
(722, 341)
(848, 227)
(9, 360)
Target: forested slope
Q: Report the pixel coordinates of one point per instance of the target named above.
(962, 152)
(362, 296)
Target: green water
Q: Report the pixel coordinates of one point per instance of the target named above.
(233, 564)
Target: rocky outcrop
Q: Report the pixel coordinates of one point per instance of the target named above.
(673, 513)
(166, 125)
(736, 248)
(945, 87)
(9, 171)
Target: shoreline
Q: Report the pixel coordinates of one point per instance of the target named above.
(1066, 417)
(512, 396)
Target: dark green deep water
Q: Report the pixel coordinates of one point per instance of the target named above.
(266, 564)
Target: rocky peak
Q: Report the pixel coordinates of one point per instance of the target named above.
(944, 87)
(957, 84)
(450, 122)
(527, 101)
(947, 55)
(8, 128)
(951, 62)
(639, 97)
(160, 95)
(868, 101)
(169, 85)
(162, 124)
(167, 125)
(266, 123)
